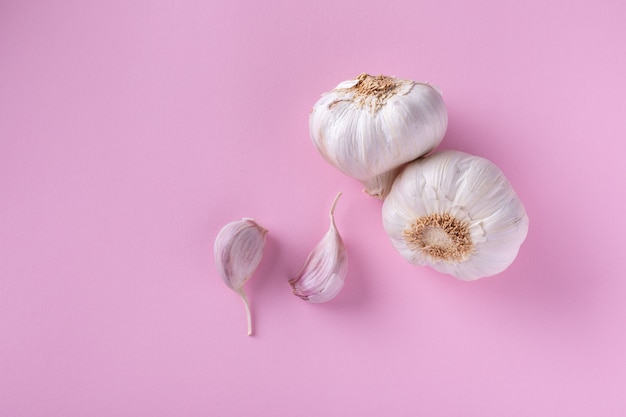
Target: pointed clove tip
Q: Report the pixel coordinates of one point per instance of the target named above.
(262, 229)
(248, 312)
(378, 194)
(332, 207)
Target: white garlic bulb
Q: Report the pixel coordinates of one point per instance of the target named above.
(371, 126)
(324, 271)
(456, 213)
(238, 251)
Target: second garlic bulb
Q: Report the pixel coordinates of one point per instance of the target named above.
(371, 126)
(456, 213)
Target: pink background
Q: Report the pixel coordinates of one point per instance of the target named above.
(130, 132)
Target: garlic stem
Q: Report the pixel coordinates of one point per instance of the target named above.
(248, 313)
(380, 185)
(332, 209)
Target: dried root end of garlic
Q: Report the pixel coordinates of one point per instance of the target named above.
(324, 272)
(371, 126)
(238, 252)
(456, 213)
(441, 237)
(371, 92)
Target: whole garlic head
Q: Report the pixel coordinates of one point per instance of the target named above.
(456, 213)
(371, 126)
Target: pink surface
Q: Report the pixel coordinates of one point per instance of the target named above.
(130, 132)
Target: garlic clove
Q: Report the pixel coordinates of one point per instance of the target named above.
(371, 126)
(238, 251)
(324, 271)
(456, 213)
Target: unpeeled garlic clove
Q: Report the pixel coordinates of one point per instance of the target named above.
(324, 271)
(238, 252)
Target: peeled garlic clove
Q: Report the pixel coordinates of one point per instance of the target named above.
(456, 213)
(371, 126)
(238, 252)
(324, 271)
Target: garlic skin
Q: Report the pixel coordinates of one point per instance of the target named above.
(324, 271)
(238, 251)
(456, 213)
(371, 126)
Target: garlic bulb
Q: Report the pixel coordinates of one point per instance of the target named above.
(238, 252)
(324, 271)
(456, 213)
(371, 126)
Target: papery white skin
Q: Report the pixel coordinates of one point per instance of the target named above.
(324, 271)
(369, 143)
(238, 252)
(473, 190)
